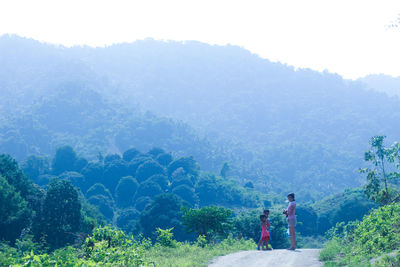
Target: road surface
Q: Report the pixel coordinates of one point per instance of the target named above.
(273, 258)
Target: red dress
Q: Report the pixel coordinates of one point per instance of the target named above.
(264, 232)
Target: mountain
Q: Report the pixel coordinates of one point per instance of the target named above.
(382, 83)
(282, 128)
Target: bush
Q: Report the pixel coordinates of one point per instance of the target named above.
(166, 238)
(378, 233)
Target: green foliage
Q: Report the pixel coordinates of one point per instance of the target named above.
(208, 221)
(93, 173)
(350, 205)
(34, 166)
(77, 179)
(125, 191)
(104, 204)
(113, 247)
(198, 254)
(64, 160)
(164, 159)
(166, 238)
(186, 193)
(60, 218)
(307, 220)
(127, 220)
(165, 213)
(14, 212)
(384, 162)
(161, 180)
(148, 189)
(225, 169)
(113, 172)
(148, 169)
(392, 260)
(130, 154)
(188, 164)
(378, 233)
(332, 248)
(98, 189)
(10, 171)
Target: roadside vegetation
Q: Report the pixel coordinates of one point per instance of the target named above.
(375, 240)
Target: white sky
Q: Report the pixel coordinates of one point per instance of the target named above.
(348, 37)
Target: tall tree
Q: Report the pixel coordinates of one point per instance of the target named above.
(14, 212)
(61, 214)
(64, 160)
(384, 161)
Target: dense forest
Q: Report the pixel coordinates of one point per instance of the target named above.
(219, 104)
(165, 153)
(68, 210)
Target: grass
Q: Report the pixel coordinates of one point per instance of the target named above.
(194, 255)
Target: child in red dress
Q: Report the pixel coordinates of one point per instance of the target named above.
(264, 233)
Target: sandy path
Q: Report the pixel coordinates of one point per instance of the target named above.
(274, 258)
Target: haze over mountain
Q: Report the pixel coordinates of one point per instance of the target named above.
(382, 83)
(280, 127)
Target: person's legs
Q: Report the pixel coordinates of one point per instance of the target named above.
(292, 237)
(266, 245)
(259, 244)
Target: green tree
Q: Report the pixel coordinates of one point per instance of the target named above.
(75, 178)
(111, 157)
(189, 165)
(61, 214)
(148, 169)
(14, 212)
(161, 180)
(148, 189)
(11, 172)
(127, 219)
(130, 154)
(125, 191)
(225, 169)
(113, 171)
(93, 173)
(98, 189)
(384, 161)
(156, 151)
(186, 193)
(34, 166)
(104, 204)
(209, 221)
(164, 212)
(64, 160)
(164, 159)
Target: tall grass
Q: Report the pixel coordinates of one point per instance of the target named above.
(185, 254)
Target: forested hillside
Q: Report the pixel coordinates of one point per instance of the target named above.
(382, 83)
(271, 122)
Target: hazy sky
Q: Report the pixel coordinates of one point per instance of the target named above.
(349, 37)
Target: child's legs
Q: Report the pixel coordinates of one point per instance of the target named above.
(260, 242)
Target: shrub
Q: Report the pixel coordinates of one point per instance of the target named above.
(166, 238)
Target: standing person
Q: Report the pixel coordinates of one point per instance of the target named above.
(266, 213)
(264, 234)
(290, 213)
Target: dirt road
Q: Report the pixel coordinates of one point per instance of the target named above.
(274, 258)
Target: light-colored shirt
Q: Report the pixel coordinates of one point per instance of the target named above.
(292, 210)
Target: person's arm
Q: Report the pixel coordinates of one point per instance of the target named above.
(291, 210)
